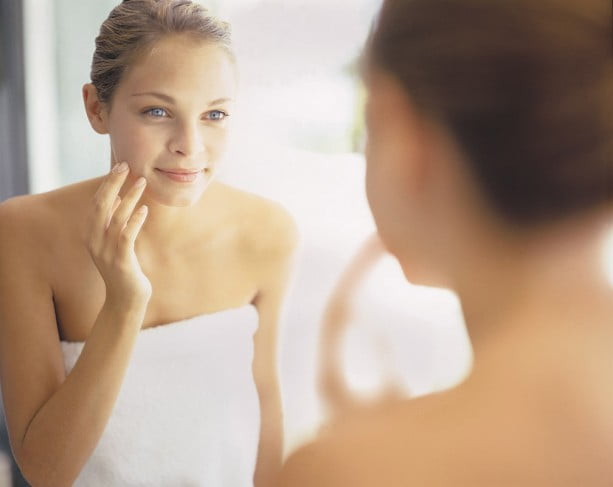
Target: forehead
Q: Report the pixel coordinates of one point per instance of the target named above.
(181, 65)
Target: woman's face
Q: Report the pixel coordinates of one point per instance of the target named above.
(168, 118)
(386, 163)
(400, 186)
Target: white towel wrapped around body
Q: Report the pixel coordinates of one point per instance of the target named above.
(188, 411)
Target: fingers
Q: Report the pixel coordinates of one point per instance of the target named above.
(112, 182)
(125, 208)
(114, 227)
(370, 251)
(130, 232)
(115, 206)
(105, 199)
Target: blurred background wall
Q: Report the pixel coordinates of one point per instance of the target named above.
(13, 144)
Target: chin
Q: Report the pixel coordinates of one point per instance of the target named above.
(178, 199)
(419, 275)
(415, 264)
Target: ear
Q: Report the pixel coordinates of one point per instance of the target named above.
(97, 111)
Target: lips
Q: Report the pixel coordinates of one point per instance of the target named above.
(182, 175)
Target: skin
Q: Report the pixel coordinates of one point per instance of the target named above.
(536, 409)
(333, 388)
(100, 260)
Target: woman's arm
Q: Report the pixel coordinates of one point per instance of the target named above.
(274, 269)
(55, 421)
(332, 384)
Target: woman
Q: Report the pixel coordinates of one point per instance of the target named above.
(129, 304)
(490, 172)
(337, 396)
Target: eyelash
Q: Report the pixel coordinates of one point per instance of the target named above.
(149, 112)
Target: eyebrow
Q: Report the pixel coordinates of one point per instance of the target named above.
(170, 99)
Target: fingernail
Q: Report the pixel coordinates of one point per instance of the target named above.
(140, 182)
(120, 167)
(142, 209)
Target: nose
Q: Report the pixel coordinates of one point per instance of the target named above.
(187, 140)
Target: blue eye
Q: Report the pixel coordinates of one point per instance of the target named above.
(216, 115)
(157, 112)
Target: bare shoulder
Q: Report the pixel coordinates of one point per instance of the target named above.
(34, 228)
(266, 226)
(425, 442)
(463, 437)
(23, 222)
(19, 211)
(389, 445)
(37, 213)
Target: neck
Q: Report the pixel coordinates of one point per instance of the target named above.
(536, 284)
(163, 223)
(166, 227)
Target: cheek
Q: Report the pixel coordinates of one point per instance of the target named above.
(372, 186)
(380, 179)
(387, 195)
(380, 199)
(371, 172)
(131, 143)
(216, 142)
(400, 219)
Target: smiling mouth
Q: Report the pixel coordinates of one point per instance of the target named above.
(182, 175)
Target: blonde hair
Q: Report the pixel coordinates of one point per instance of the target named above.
(135, 26)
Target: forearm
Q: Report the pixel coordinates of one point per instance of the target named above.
(64, 432)
(270, 450)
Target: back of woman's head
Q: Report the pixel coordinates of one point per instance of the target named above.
(135, 25)
(524, 86)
